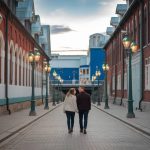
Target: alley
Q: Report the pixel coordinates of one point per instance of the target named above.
(103, 133)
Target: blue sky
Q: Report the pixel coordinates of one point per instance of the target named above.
(73, 21)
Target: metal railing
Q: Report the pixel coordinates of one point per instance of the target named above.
(76, 82)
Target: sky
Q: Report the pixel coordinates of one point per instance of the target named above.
(73, 21)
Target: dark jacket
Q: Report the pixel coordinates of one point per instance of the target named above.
(83, 101)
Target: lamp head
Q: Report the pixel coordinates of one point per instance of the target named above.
(126, 42)
(54, 73)
(105, 67)
(134, 47)
(37, 56)
(98, 73)
(31, 57)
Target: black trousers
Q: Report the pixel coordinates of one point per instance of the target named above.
(83, 115)
(70, 119)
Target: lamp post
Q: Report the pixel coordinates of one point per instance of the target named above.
(61, 82)
(98, 73)
(47, 69)
(58, 92)
(105, 68)
(93, 79)
(33, 57)
(54, 75)
(130, 47)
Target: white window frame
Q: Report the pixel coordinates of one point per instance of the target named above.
(147, 73)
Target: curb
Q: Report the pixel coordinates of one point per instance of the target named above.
(24, 126)
(130, 124)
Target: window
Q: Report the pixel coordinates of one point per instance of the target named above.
(147, 73)
(135, 30)
(16, 68)
(0, 59)
(23, 71)
(113, 82)
(87, 71)
(149, 22)
(145, 26)
(125, 81)
(83, 71)
(20, 70)
(139, 26)
(11, 68)
(119, 82)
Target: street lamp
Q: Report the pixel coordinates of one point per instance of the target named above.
(33, 57)
(54, 75)
(93, 79)
(47, 69)
(58, 91)
(61, 82)
(130, 48)
(98, 73)
(105, 68)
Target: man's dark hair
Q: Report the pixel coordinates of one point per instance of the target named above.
(82, 87)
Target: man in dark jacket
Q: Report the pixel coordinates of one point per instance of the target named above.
(84, 105)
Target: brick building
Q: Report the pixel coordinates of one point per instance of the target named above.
(15, 69)
(136, 21)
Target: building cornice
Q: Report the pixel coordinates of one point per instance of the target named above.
(125, 17)
(23, 29)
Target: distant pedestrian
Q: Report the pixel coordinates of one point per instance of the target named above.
(84, 105)
(70, 107)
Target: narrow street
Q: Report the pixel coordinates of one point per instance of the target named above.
(103, 133)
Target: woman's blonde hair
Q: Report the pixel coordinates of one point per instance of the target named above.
(70, 92)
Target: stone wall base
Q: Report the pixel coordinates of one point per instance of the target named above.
(18, 106)
(118, 101)
(145, 106)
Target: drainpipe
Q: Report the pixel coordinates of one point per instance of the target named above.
(141, 54)
(122, 93)
(6, 66)
(42, 84)
(114, 102)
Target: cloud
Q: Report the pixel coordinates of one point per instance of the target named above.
(60, 29)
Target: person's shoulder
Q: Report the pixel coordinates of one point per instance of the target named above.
(73, 96)
(87, 94)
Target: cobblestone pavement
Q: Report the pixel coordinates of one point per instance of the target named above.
(103, 133)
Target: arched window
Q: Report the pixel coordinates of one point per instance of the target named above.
(16, 68)
(139, 27)
(27, 70)
(149, 21)
(0, 60)
(11, 67)
(23, 70)
(19, 69)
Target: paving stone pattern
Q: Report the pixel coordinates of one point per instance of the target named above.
(103, 133)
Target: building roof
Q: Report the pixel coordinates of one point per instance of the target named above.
(125, 17)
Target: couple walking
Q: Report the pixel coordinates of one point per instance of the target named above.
(81, 104)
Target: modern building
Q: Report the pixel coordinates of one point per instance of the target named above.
(67, 66)
(44, 39)
(97, 40)
(25, 12)
(78, 68)
(136, 24)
